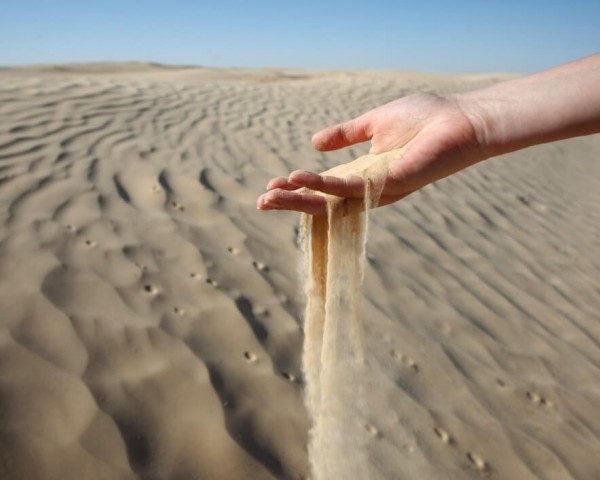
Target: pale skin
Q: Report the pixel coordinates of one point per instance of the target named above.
(432, 136)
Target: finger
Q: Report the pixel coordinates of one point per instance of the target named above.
(343, 134)
(310, 203)
(280, 182)
(351, 187)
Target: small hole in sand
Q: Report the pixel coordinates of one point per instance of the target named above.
(150, 289)
(288, 376)
(90, 243)
(179, 311)
(250, 356)
(233, 250)
(211, 282)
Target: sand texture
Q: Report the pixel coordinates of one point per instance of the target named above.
(150, 316)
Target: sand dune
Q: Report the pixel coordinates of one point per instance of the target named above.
(150, 320)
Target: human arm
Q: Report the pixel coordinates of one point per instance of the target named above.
(555, 104)
(430, 137)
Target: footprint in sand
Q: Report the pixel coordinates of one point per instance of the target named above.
(251, 357)
(530, 202)
(373, 431)
(443, 435)
(478, 462)
(288, 376)
(260, 266)
(538, 399)
(407, 361)
(177, 206)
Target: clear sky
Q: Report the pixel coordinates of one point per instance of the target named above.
(427, 35)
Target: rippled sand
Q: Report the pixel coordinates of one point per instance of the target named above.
(150, 316)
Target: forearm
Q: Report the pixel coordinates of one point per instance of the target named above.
(552, 105)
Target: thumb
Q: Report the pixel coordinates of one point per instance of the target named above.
(343, 134)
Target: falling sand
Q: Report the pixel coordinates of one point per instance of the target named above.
(333, 353)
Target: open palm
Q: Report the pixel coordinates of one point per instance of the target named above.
(421, 138)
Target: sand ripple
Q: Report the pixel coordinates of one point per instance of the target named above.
(150, 316)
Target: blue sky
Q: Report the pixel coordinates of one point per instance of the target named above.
(427, 35)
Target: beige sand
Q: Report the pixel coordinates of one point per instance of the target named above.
(333, 360)
(150, 316)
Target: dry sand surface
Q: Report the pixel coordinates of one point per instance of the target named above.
(150, 316)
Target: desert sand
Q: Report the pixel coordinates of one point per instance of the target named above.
(151, 317)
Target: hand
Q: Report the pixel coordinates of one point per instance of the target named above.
(426, 137)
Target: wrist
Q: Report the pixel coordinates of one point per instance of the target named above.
(484, 114)
(553, 105)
